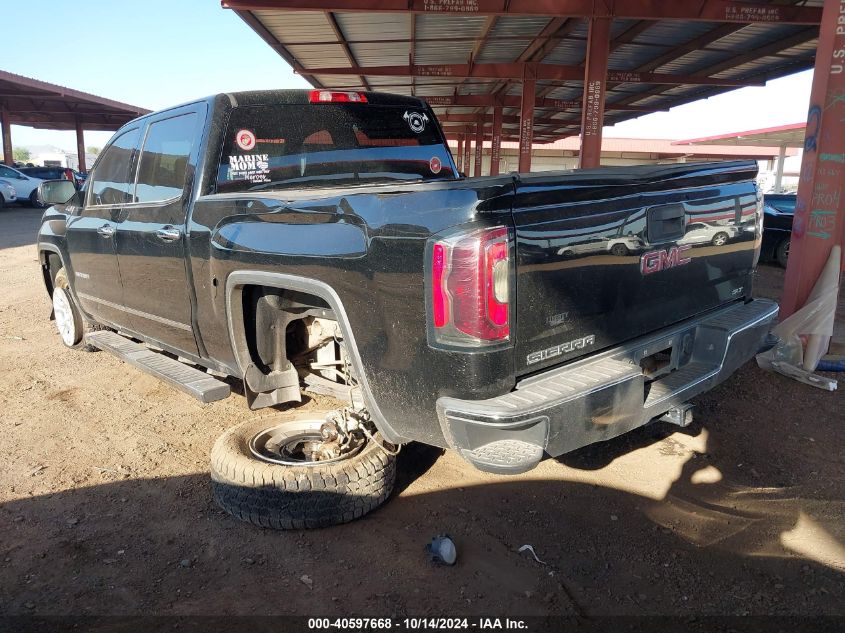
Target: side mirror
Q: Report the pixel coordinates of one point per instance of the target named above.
(56, 191)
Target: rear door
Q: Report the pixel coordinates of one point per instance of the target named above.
(151, 240)
(683, 254)
(91, 232)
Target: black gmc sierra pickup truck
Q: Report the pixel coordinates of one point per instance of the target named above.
(324, 241)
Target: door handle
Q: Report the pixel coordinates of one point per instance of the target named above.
(107, 230)
(168, 233)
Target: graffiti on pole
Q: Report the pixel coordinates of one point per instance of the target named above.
(814, 122)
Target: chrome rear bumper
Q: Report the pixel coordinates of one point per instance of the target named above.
(605, 395)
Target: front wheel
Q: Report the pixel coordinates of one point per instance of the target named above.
(284, 477)
(69, 322)
(620, 250)
(33, 200)
(782, 253)
(720, 239)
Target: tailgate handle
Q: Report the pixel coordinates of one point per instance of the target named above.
(666, 223)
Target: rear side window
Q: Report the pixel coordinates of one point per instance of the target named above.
(164, 158)
(318, 145)
(111, 182)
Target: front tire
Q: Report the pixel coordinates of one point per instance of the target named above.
(285, 495)
(69, 322)
(782, 253)
(619, 250)
(720, 239)
(33, 200)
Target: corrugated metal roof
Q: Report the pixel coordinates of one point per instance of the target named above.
(748, 52)
(39, 104)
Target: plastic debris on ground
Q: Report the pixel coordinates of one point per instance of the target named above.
(442, 550)
(805, 335)
(529, 548)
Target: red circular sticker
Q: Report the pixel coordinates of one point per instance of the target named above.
(435, 165)
(245, 140)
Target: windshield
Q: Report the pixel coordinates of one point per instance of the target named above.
(318, 145)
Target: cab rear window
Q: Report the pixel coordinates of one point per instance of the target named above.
(318, 145)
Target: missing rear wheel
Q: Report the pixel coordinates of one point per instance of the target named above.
(288, 485)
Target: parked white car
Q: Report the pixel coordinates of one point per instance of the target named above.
(7, 193)
(26, 187)
(620, 246)
(703, 233)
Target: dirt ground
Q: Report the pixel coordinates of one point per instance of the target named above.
(105, 504)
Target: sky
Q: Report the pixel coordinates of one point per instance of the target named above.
(156, 54)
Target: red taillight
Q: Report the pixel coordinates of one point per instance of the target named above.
(470, 284)
(332, 96)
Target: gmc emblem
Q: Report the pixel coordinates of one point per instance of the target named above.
(655, 261)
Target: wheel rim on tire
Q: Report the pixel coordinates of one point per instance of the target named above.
(719, 240)
(63, 312)
(295, 443)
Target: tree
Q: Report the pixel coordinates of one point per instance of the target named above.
(91, 149)
(20, 154)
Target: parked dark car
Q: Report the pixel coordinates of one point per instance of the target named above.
(323, 241)
(778, 212)
(54, 173)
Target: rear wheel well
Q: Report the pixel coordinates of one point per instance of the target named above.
(273, 322)
(285, 339)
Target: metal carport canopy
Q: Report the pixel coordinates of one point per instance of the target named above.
(790, 135)
(782, 136)
(38, 104)
(520, 66)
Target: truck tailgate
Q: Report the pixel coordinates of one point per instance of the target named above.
(607, 255)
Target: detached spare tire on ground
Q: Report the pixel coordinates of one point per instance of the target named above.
(259, 475)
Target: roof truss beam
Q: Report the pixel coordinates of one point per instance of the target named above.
(518, 71)
(702, 10)
(506, 120)
(341, 38)
(513, 101)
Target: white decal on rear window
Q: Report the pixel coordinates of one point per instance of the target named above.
(252, 167)
(416, 120)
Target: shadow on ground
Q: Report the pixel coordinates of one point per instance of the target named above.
(715, 541)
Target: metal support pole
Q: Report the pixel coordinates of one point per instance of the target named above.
(595, 84)
(526, 123)
(479, 147)
(80, 146)
(6, 125)
(496, 145)
(819, 221)
(459, 158)
(467, 149)
(779, 169)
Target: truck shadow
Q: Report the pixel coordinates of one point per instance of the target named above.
(600, 455)
(708, 544)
